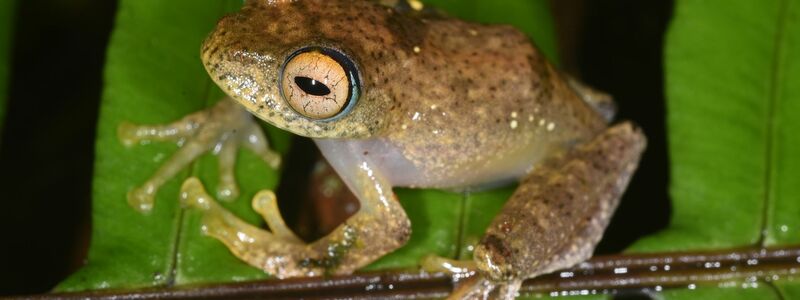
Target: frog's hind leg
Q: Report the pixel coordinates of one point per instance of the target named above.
(558, 213)
(602, 102)
(221, 128)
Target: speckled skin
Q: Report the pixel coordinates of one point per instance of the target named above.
(478, 96)
(444, 103)
(582, 188)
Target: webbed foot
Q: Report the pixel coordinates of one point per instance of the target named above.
(278, 251)
(221, 129)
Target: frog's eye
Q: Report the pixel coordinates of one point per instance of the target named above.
(319, 83)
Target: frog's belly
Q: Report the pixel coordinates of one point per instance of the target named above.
(401, 171)
(493, 170)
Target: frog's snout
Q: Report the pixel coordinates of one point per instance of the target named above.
(232, 39)
(217, 42)
(238, 60)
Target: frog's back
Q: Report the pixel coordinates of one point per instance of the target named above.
(476, 103)
(451, 103)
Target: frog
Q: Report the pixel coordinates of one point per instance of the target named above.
(395, 94)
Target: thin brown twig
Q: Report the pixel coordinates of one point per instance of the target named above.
(600, 275)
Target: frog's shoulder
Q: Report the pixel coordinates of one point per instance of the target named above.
(413, 8)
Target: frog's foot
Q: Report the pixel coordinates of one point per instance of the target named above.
(602, 102)
(278, 251)
(456, 268)
(221, 129)
(469, 284)
(478, 287)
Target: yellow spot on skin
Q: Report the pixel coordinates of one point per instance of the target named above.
(514, 115)
(541, 122)
(551, 126)
(416, 4)
(473, 32)
(404, 126)
(434, 106)
(513, 124)
(530, 118)
(417, 49)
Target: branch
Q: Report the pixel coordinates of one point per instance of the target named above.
(601, 275)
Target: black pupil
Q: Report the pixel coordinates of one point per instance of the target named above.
(311, 86)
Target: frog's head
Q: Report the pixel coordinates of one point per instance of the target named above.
(295, 64)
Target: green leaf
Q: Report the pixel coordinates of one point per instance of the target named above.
(532, 17)
(731, 76)
(731, 68)
(6, 27)
(789, 290)
(153, 75)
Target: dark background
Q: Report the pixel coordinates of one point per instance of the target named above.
(47, 143)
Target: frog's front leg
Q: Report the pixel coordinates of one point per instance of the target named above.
(380, 226)
(221, 128)
(558, 213)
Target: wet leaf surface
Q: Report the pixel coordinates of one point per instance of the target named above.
(731, 73)
(153, 75)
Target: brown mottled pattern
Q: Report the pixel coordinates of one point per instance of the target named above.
(464, 103)
(481, 97)
(558, 214)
